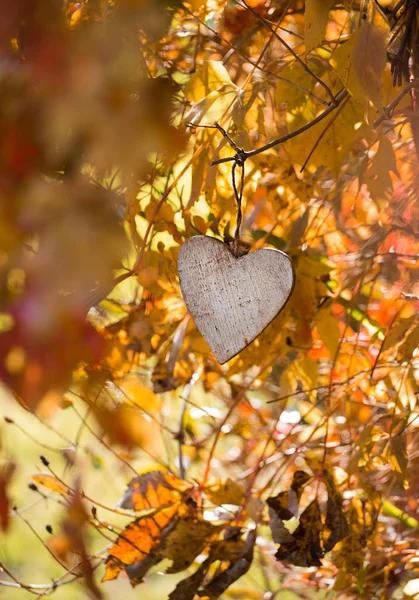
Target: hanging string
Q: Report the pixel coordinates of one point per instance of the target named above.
(238, 195)
(239, 160)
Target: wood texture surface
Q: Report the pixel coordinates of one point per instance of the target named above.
(232, 300)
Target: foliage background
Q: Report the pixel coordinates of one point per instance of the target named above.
(107, 113)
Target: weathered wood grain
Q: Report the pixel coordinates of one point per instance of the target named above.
(232, 300)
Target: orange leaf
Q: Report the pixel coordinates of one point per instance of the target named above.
(52, 483)
(154, 489)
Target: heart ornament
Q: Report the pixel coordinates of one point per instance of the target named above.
(232, 299)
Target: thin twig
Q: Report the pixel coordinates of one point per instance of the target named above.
(323, 133)
(256, 65)
(226, 135)
(180, 436)
(34, 588)
(288, 47)
(389, 109)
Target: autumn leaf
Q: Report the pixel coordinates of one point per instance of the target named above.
(52, 483)
(369, 55)
(137, 542)
(174, 532)
(7, 471)
(209, 78)
(127, 427)
(110, 160)
(315, 21)
(225, 492)
(306, 544)
(154, 489)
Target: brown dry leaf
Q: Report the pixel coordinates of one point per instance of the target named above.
(129, 427)
(188, 587)
(336, 521)
(154, 489)
(52, 483)
(226, 491)
(236, 569)
(174, 532)
(305, 548)
(230, 549)
(140, 539)
(73, 526)
(314, 536)
(186, 541)
(409, 345)
(397, 333)
(6, 474)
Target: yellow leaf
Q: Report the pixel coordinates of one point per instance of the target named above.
(369, 56)
(188, 539)
(341, 61)
(210, 77)
(360, 62)
(397, 333)
(310, 369)
(410, 344)
(52, 483)
(328, 327)
(225, 492)
(315, 21)
(293, 97)
(331, 139)
(398, 455)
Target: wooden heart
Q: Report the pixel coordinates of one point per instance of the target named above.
(232, 300)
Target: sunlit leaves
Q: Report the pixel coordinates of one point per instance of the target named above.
(154, 489)
(177, 533)
(7, 471)
(107, 114)
(305, 544)
(52, 483)
(369, 55)
(315, 22)
(211, 91)
(225, 492)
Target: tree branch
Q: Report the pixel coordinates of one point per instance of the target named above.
(387, 111)
(245, 155)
